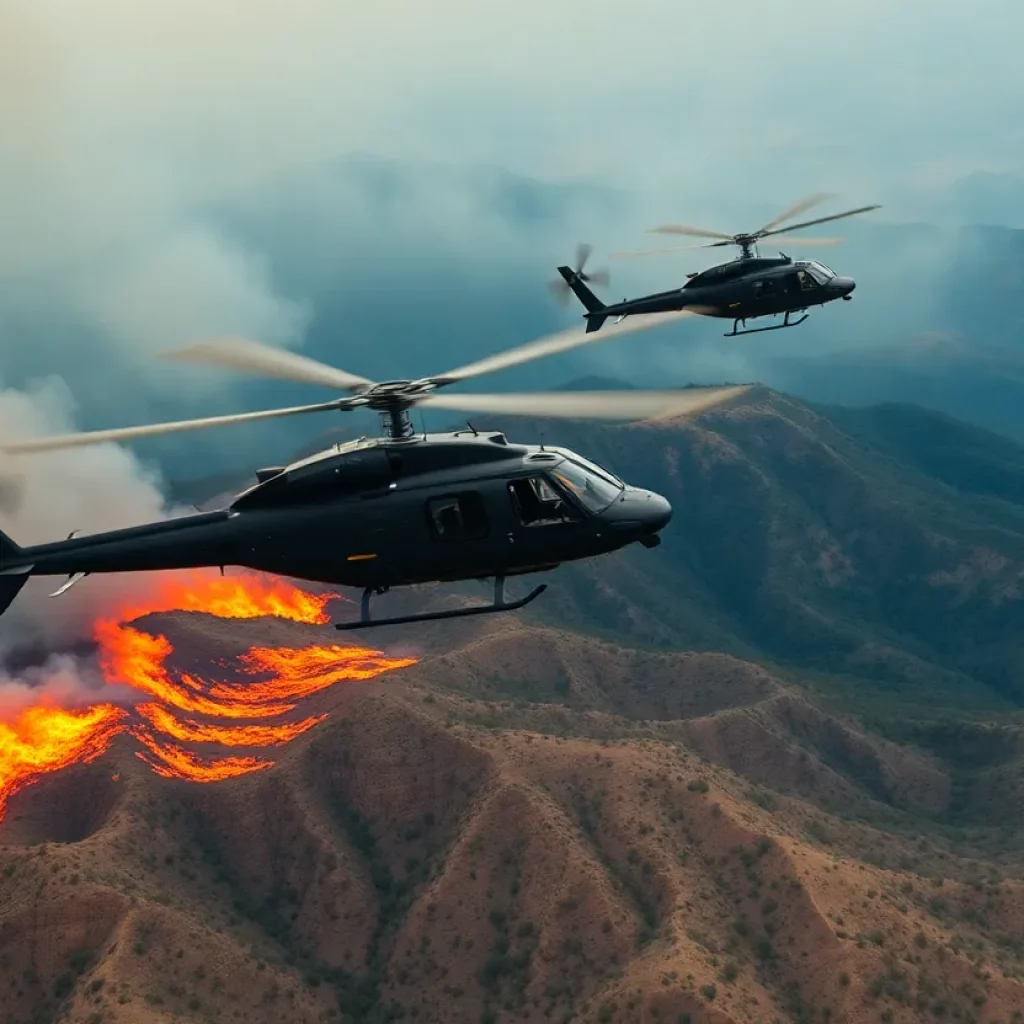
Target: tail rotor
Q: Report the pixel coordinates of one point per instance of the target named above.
(561, 289)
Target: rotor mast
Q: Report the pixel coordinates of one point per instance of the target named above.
(392, 401)
(395, 421)
(748, 246)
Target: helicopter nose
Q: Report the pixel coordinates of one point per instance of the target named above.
(844, 285)
(638, 515)
(654, 513)
(657, 512)
(655, 517)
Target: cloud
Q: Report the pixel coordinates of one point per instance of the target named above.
(170, 170)
(188, 282)
(88, 490)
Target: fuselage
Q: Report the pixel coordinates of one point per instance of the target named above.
(744, 289)
(387, 513)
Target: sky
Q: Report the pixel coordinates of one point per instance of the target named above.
(168, 168)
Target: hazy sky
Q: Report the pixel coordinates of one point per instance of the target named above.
(124, 123)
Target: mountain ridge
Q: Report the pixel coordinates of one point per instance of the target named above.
(769, 770)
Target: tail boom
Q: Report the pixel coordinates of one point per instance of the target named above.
(184, 543)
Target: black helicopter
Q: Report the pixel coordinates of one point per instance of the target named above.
(399, 509)
(744, 289)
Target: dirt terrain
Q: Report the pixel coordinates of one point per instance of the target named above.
(640, 838)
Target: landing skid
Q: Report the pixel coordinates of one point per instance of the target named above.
(734, 333)
(498, 605)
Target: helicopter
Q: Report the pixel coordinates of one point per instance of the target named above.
(743, 289)
(400, 509)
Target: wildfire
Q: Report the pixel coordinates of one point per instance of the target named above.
(232, 597)
(231, 714)
(46, 739)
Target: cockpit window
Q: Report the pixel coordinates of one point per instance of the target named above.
(812, 274)
(594, 491)
(537, 503)
(458, 517)
(821, 274)
(590, 467)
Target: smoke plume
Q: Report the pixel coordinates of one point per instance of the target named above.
(63, 680)
(50, 495)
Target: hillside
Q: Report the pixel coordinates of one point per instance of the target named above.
(447, 849)
(959, 374)
(845, 548)
(769, 771)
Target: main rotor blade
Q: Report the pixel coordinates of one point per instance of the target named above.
(675, 248)
(595, 405)
(43, 444)
(786, 240)
(683, 229)
(255, 357)
(796, 208)
(561, 341)
(821, 220)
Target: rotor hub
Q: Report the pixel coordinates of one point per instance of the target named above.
(392, 400)
(747, 244)
(395, 394)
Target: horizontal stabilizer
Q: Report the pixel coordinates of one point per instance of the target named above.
(71, 581)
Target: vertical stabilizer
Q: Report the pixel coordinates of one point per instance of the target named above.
(14, 572)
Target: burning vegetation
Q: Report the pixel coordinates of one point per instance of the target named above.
(181, 708)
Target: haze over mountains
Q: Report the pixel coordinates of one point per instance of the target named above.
(391, 268)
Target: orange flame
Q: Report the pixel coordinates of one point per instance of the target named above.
(232, 597)
(46, 739)
(174, 762)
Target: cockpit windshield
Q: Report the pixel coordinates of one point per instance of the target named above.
(819, 272)
(591, 467)
(594, 491)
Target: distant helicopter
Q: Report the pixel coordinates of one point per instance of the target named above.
(395, 510)
(743, 289)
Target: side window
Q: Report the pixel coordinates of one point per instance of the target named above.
(806, 281)
(790, 284)
(763, 289)
(458, 517)
(537, 503)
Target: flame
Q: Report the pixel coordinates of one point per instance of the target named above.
(231, 713)
(45, 739)
(232, 597)
(174, 762)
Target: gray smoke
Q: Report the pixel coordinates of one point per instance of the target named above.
(89, 490)
(63, 680)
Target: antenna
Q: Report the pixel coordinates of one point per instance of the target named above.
(471, 427)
